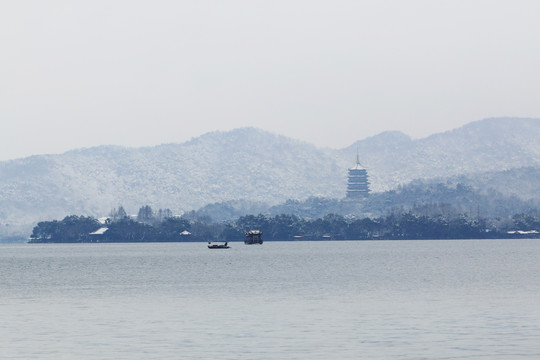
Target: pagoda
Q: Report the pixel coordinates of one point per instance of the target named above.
(357, 184)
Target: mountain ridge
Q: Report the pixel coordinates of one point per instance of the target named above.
(250, 164)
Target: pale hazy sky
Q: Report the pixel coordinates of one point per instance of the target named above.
(84, 73)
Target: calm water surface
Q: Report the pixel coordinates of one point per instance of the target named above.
(300, 300)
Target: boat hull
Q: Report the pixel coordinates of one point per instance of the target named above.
(218, 245)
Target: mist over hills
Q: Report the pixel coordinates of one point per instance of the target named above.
(260, 167)
(241, 164)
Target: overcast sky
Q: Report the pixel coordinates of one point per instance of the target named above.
(136, 73)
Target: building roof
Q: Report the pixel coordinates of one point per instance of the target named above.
(358, 166)
(522, 232)
(99, 231)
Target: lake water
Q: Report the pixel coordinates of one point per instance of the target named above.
(298, 300)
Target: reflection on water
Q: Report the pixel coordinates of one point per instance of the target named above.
(299, 300)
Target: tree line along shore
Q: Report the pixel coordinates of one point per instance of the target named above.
(164, 227)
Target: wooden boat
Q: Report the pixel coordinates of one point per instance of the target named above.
(218, 245)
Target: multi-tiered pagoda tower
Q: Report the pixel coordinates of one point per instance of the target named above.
(358, 184)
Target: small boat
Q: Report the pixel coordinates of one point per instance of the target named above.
(218, 245)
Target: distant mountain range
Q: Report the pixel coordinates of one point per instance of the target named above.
(258, 166)
(497, 144)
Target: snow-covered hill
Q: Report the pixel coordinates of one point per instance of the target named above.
(488, 145)
(249, 164)
(241, 164)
